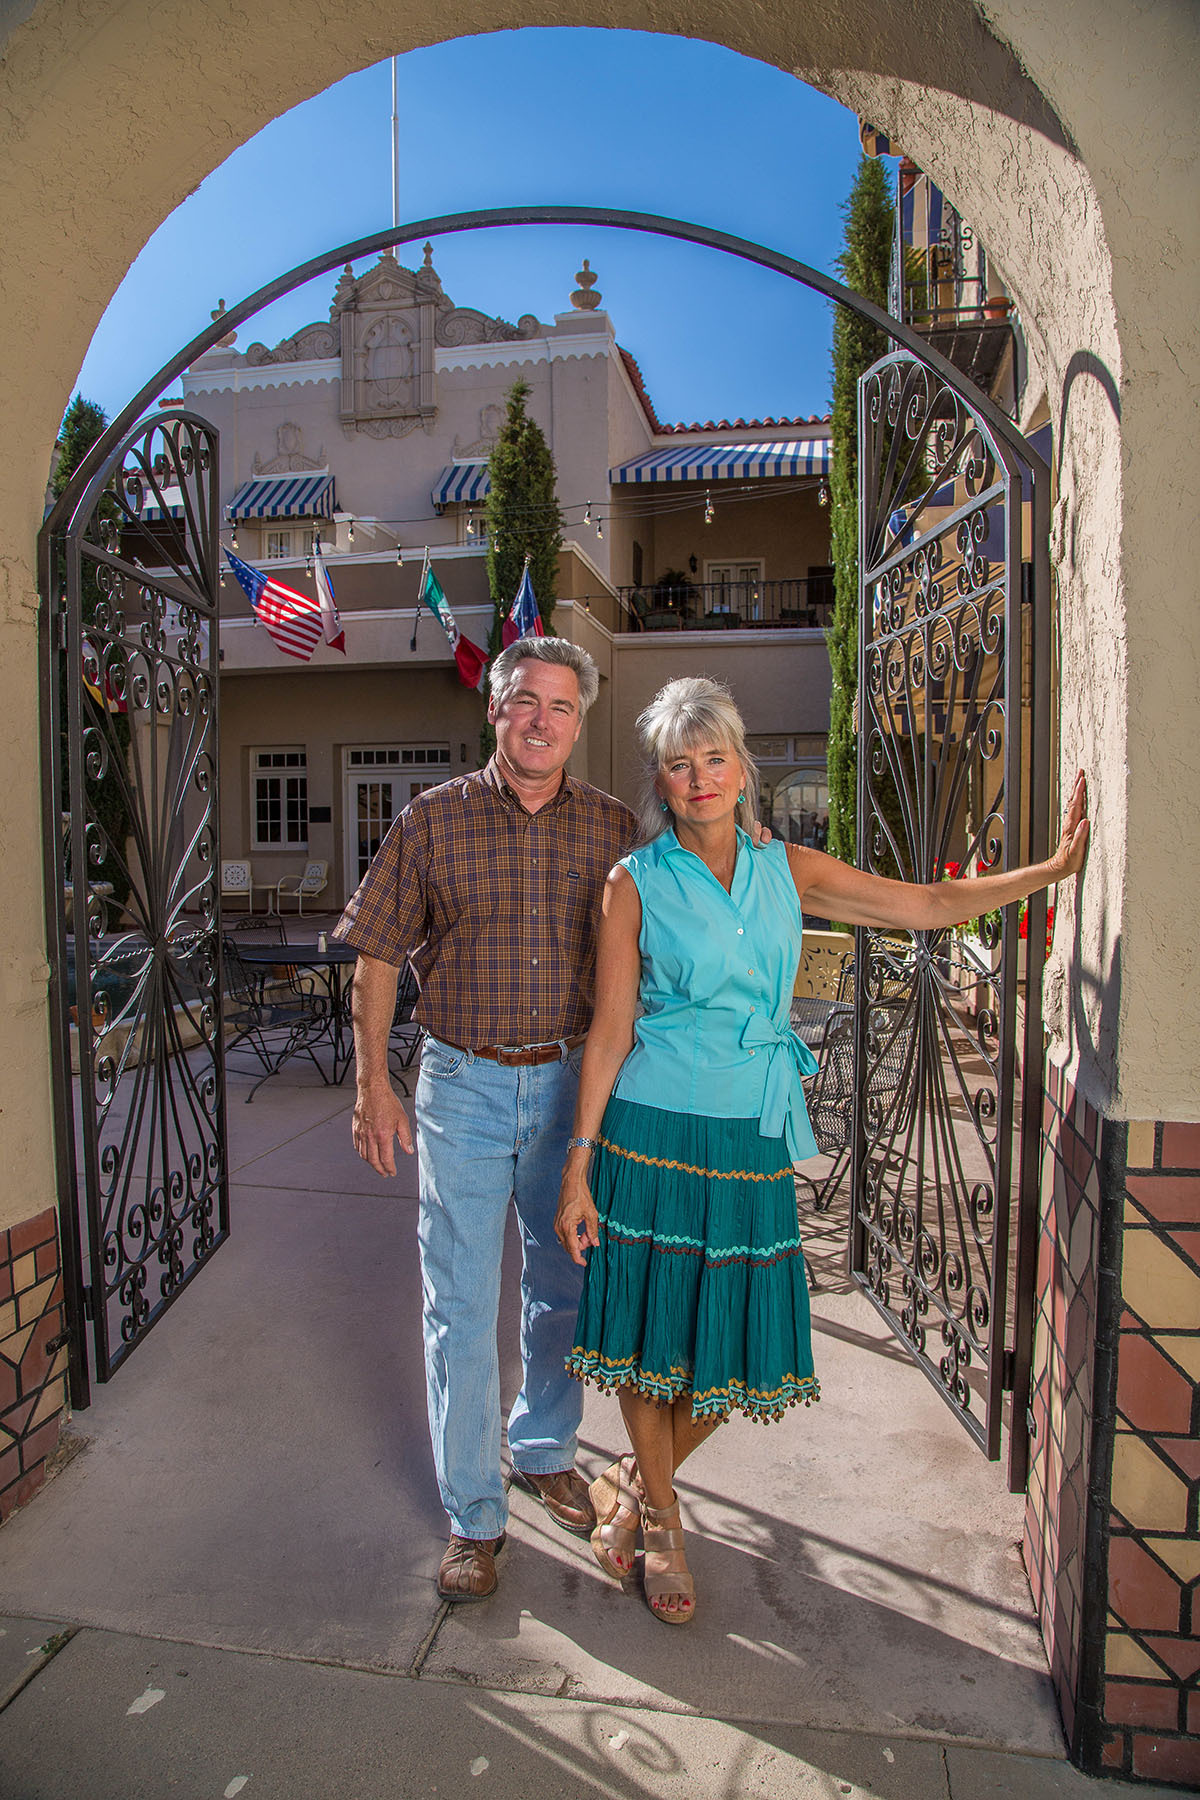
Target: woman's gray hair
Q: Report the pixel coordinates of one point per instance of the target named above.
(689, 714)
(503, 674)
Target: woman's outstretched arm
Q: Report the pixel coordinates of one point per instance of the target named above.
(853, 897)
(609, 1041)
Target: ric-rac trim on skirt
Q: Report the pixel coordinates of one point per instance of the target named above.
(697, 1286)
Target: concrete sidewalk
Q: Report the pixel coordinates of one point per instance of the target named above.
(234, 1575)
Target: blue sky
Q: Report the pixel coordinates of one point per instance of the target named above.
(579, 117)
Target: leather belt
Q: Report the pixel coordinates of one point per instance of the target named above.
(523, 1056)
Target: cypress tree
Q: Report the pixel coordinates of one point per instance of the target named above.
(522, 514)
(864, 265)
(82, 424)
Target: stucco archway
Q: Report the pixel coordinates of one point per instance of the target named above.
(1063, 133)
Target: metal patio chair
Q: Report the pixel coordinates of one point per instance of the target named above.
(274, 1029)
(831, 1095)
(404, 1037)
(300, 888)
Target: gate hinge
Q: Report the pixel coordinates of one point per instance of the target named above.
(1008, 1371)
(55, 1344)
(89, 1303)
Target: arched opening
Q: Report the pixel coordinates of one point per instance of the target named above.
(1082, 188)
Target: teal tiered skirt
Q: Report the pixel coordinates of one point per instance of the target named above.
(697, 1285)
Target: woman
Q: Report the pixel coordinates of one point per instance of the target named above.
(695, 1302)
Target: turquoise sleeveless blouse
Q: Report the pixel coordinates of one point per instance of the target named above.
(718, 969)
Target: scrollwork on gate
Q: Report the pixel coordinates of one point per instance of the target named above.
(939, 765)
(133, 745)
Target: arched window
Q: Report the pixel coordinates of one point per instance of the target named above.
(800, 808)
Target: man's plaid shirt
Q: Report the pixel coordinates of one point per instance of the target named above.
(496, 907)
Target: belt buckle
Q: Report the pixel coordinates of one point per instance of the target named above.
(508, 1054)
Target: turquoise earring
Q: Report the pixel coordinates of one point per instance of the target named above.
(664, 806)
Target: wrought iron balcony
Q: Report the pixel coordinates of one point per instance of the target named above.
(796, 602)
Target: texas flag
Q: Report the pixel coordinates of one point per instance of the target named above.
(524, 619)
(293, 620)
(471, 660)
(335, 637)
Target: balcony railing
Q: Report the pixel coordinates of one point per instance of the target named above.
(801, 601)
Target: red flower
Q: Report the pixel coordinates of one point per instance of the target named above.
(952, 869)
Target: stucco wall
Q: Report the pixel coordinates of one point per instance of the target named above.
(1099, 249)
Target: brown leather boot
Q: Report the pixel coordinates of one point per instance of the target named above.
(565, 1497)
(468, 1568)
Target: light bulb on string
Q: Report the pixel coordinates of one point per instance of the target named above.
(350, 533)
(233, 539)
(399, 557)
(599, 528)
(822, 495)
(470, 524)
(587, 517)
(709, 509)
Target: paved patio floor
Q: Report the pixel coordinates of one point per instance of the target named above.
(257, 1480)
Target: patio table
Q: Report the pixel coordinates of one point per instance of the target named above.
(330, 965)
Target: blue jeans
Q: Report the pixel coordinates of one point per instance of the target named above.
(487, 1135)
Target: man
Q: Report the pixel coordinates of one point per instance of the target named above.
(492, 884)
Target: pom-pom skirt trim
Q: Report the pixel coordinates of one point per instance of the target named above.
(697, 1285)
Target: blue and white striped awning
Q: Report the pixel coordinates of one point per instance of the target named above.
(153, 514)
(465, 483)
(727, 462)
(307, 496)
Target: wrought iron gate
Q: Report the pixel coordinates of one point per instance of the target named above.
(953, 770)
(129, 584)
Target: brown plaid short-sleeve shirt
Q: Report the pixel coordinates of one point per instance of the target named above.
(496, 907)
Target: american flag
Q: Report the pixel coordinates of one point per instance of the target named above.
(293, 620)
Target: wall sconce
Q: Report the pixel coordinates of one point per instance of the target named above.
(693, 565)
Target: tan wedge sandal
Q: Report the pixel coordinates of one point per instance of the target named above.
(611, 1494)
(662, 1537)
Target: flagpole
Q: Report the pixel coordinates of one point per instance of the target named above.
(412, 644)
(395, 150)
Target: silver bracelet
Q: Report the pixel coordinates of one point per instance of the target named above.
(581, 1143)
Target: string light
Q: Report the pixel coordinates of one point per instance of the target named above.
(822, 495)
(399, 557)
(350, 533)
(587, 517)
(709, 509)
(233, 539)
(470, 524)
(599, 528)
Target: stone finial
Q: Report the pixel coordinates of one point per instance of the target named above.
(230, 339)
(583, 300)
(345, 291)
(427, 275)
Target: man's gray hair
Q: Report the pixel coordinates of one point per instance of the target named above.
(503, 676)
(690, 714)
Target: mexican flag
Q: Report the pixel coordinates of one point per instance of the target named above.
(471, 660)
